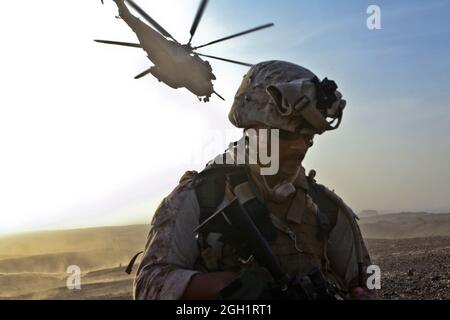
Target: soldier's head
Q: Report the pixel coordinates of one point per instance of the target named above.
(285, 96)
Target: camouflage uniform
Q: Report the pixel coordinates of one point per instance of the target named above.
(173, 254)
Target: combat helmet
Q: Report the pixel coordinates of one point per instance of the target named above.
(283, 95)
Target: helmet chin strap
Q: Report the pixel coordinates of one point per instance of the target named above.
(282, 190)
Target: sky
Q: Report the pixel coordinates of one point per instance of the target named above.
(84, 144)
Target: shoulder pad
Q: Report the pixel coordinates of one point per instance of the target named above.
(335, 198)
(209, 186)
(187, 177)
(171, 203)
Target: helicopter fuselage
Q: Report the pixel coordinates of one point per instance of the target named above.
(174, 64)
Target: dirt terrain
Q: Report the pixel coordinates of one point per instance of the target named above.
(416, 268)
(412, 250)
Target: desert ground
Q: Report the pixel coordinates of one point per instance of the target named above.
(412, 250)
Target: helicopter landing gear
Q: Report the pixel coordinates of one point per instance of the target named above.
(204, 99)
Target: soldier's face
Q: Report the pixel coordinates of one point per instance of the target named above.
(293, 147)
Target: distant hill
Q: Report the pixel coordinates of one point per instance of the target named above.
(405, 225)
(368, 213)
(54, 251)
(75, 240)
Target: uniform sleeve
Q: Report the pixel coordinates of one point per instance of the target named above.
(171, 250)
(347, 252)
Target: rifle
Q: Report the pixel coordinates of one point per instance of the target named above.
(239, 231)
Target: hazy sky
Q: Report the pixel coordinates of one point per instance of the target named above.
(83, 143)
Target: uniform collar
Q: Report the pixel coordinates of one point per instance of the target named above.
(301, 181)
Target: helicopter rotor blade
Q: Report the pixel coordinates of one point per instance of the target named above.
(150, 20)
(223, 59)
(235, 35)
(197, 19)
(125, 44)
(142, 74)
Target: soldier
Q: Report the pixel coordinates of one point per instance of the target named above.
(307, 226)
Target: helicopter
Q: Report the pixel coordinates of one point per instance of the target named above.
(177, 65)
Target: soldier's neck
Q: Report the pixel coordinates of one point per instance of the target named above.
(284, 174)
(280, 187)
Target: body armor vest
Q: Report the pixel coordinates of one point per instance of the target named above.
(296, 230)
